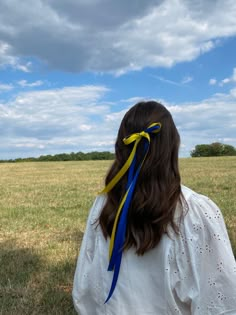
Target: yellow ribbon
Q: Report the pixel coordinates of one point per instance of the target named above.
(114, 228)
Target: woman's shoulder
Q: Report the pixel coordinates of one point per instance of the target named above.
(190, 194)
(202, 224)
(201, 212)
(96, 208)
(198, 202)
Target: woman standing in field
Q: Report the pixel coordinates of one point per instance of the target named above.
(165, 246)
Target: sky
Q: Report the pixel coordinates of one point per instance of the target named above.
(70, 69)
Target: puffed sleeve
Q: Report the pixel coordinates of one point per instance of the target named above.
(205, 277)
(84, 298)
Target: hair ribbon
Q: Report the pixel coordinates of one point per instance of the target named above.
(119, 227)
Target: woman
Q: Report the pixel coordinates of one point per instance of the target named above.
(166, 247)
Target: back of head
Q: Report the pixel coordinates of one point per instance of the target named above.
(158, 186)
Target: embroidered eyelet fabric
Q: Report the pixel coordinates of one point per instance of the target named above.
(191, 273)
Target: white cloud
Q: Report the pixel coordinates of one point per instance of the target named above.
(119, 37)
(7, 57)
(22, 67)
(183, 82)
(233, 92)
(133, 100)
(231, 79)
(224, 81)
(186, 80)
(166, 80)
(234, 75)
(24, 83)
(54, 120)
(114, 117)
(208, 121)
(78, 119)
(85, 127)
(6, 87)
(212, 81)
(231, 140)
(29, 145)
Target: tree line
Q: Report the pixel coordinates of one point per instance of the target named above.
(201, 150)
(79, 156)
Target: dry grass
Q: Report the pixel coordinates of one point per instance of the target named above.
(43, 212)
(216, 178)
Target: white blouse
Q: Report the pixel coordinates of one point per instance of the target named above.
(193, 273)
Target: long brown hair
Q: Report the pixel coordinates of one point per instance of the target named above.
(158, 187)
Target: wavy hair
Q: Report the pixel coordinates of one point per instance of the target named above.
(158, 188)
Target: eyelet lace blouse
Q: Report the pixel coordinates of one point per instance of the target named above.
(191, 273)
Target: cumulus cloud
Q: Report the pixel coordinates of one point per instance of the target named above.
(112, 36)
(52, 120)
(79, 119)
(207, 121)
(211, 120)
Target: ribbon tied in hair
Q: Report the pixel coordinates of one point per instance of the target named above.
(119, 227)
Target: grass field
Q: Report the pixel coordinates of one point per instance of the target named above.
(43, 210)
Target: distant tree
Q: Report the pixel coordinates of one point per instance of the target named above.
(213, 149)
(201, 150)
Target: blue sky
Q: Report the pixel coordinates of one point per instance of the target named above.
(69, 69)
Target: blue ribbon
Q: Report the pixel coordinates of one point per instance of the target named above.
(115, 260)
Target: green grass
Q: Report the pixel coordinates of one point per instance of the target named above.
(43, 210)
